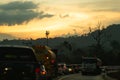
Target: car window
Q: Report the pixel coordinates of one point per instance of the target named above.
(17, 54)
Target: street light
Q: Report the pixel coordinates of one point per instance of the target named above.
(47, 33)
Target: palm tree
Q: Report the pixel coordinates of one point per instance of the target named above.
(47, 34)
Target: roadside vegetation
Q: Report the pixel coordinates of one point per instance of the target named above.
(115, 75)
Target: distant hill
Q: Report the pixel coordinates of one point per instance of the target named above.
(75, 41)
(72, 48)
(6, 36)
(114, 31)
(86, 40)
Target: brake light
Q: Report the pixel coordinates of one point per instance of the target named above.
(37, 70)
(52, 61)
(43, 72)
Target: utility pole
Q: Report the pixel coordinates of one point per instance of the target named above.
(47, 34)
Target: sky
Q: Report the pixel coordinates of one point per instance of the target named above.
(27, 19)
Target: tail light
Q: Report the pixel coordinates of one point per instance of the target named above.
(37, 70)
(52, 61)
(43, 72)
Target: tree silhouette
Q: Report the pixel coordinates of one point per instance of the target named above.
(115, 51)
(115, 44)
(100, 37)
(47, 34)
(67, 45)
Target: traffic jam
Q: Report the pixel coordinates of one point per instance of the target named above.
(40, 63)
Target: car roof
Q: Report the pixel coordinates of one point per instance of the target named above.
(16, 46)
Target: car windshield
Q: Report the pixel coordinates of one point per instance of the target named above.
(89, 60)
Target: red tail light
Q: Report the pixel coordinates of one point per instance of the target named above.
(52, 61)
(43, 72)
(37, 70)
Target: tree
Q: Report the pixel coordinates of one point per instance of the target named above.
(115, 51)
(115, 44)
(100, 36)
(67, 45)
(47, 34)
(77, 55)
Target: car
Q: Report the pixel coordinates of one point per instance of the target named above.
(20, 63)
(91, 65)
(62, 69)
(76, 68)
(70, 69)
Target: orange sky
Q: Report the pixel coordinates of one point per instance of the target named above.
(70, 16)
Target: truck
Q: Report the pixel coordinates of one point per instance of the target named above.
(20, 63)
(48, 57)
(91, 65)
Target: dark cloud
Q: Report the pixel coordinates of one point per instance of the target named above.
(18, 5)
(18, 12)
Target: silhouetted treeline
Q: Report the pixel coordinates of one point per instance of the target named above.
(103, 43)
(107, 47)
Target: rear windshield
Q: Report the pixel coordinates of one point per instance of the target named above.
(16, 54)
(89, 60)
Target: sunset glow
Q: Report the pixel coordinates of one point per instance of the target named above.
(57, 16)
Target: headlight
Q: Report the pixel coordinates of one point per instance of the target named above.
(70, 69)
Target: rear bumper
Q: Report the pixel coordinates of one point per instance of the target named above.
(91, 72)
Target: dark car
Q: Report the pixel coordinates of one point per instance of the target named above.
(70, 69)
(76, 68)
(19, 63)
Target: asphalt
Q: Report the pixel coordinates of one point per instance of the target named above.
(114, 75)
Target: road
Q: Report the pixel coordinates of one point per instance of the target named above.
(81, 77)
